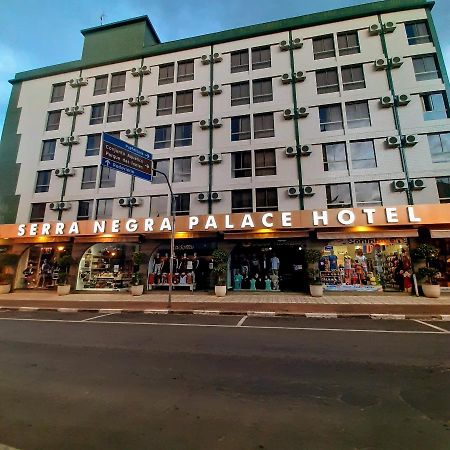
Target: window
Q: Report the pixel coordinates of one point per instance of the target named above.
(182, 204)
(353, 77)
(348, 43)
(101, 84)
(183, 134)
(163, 166)
(115, 111)
(107, 177)
(263, 125)
(164, 104)
(85, 208)
(368, 194)
(48, 150)
(185, 70)
(240, 93)
(115, 134)
(418, 33)
(261, 57)
(93, 144)
(104, 208)
(241, 164)
(357, 114)
(443, 185)
(363, 154)
(327, 81)
(323, 47)
(185, 102)
(425, 68)
(240, 128)
(181, 170)
(53, 120)
(97, 113)
(58, 92)
(266, 199)
(330, 118)
(158, 205)
(89, 177)
(163, 136)
(241, 201)
(439, 147)
(37, 213)
(265, 162)
(43, 180)
(434, 106)
(166, 73)
(334, 157)
(117, 82)
(338, 195)
(262, 90)
(239, 61)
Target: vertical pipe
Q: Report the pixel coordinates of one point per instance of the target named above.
(211, 137)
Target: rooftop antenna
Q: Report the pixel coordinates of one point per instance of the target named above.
(101, 18)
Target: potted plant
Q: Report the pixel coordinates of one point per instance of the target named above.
(220, 270)
(8, 263)
(312, 257)
(137, 280)
(422, 254)
(64, 262)
(430, 286)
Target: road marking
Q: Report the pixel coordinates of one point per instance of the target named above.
(388, 316)
(206, 312)
(445, 317)
(432, 326)
(68, 310)
(261, 313)
(156, 311)
(239, 324)
(109, 311)
(92, 318)
(28, 309)
(321, 315)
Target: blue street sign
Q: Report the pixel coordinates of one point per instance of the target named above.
(125, 169)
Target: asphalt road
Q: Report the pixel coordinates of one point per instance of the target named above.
(135, 381)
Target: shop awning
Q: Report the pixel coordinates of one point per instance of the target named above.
(406, 233)
(436, 234)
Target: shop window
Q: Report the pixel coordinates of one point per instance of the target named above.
(115, 111)
(104, 208)
(239, 61)
(58, 91)
(185, 102)
(93, 144)
(181, 170)
(241, 200)
(101, 85)
(417, 33)
(353, 77)
(363, 154)
(358, 115)
(158, 205)
(426, 68)
(339, 195)
(443, 185)
(241, 164)
(85, 209)
(439, 147)
(89, 177)
(166, 73)
(266, 199)
(368, 194)
(48, 150)
(435, 106)
(107, 177)
(164, 104)
(262, 90)
(327, 81)
(348, 43)
(97, 113)
(43, 180)
(334, 157)
(163, 136)
(240, 128)
(265, 162)
(163, 166)
(261, 57)
(185, 70)
(323, 47)
(53, 119)
(118, 82)
(37, 213)
(182, 204)
(240, 93)
(263, 125)
(330, 118)
(183, 134)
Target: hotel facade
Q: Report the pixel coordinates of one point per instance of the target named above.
(327, 131)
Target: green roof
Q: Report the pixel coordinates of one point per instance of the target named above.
(150, 45)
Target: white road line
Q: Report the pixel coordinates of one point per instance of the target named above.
(432, 326)
(388, 316)
(68, 310)
(239, 324)
(321, 315)
(206, 312)
(28, 309)
(156, 311)
(96, 317)
(261, 313)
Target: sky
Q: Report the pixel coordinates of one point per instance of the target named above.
(36, 34)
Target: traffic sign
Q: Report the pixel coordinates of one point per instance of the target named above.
(126, 158)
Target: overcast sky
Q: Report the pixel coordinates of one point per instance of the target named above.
(40, 33)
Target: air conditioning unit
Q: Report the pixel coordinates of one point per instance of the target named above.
(403, 99)
(217, 123)
(375, 29)
(288, 114)
(216, 196)
(68, 111)
(65, 140)
(381, 64)
(74, 140)
(286, 78)
(133, 101)
(305, 150)
(131, 133)
(216, 57)
(145, 70)
(60, 172)
(139, 71)
(204, 90)
(417, 184)
(204, 124)
(54, 206)
(64, 206)
(284, 45)
(410, 140)
(205, 59)
(203, 159)
(202, 196)
(297, 43)
(302, 111)
(293, 191)
(216, 157)
(307, 191)
(393, 141)
(399, 185)
(389, 27)
(77, 82)
(387, 101)
(143, 99)
(124, 201)
(69, 171)
(300, 76)
(396, 61)
(135, 71)
(216, 89)
(291, 151)
(135, 201)
(78, 110)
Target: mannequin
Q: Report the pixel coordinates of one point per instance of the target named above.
(361, 259)
(268, 283)
(333, 261)
(275, 281)
(347, 268)
(405, 260)
(165, 263)
(253, 283)
(182, 263)
(254, 264)
(238, 281)
(274, 264)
